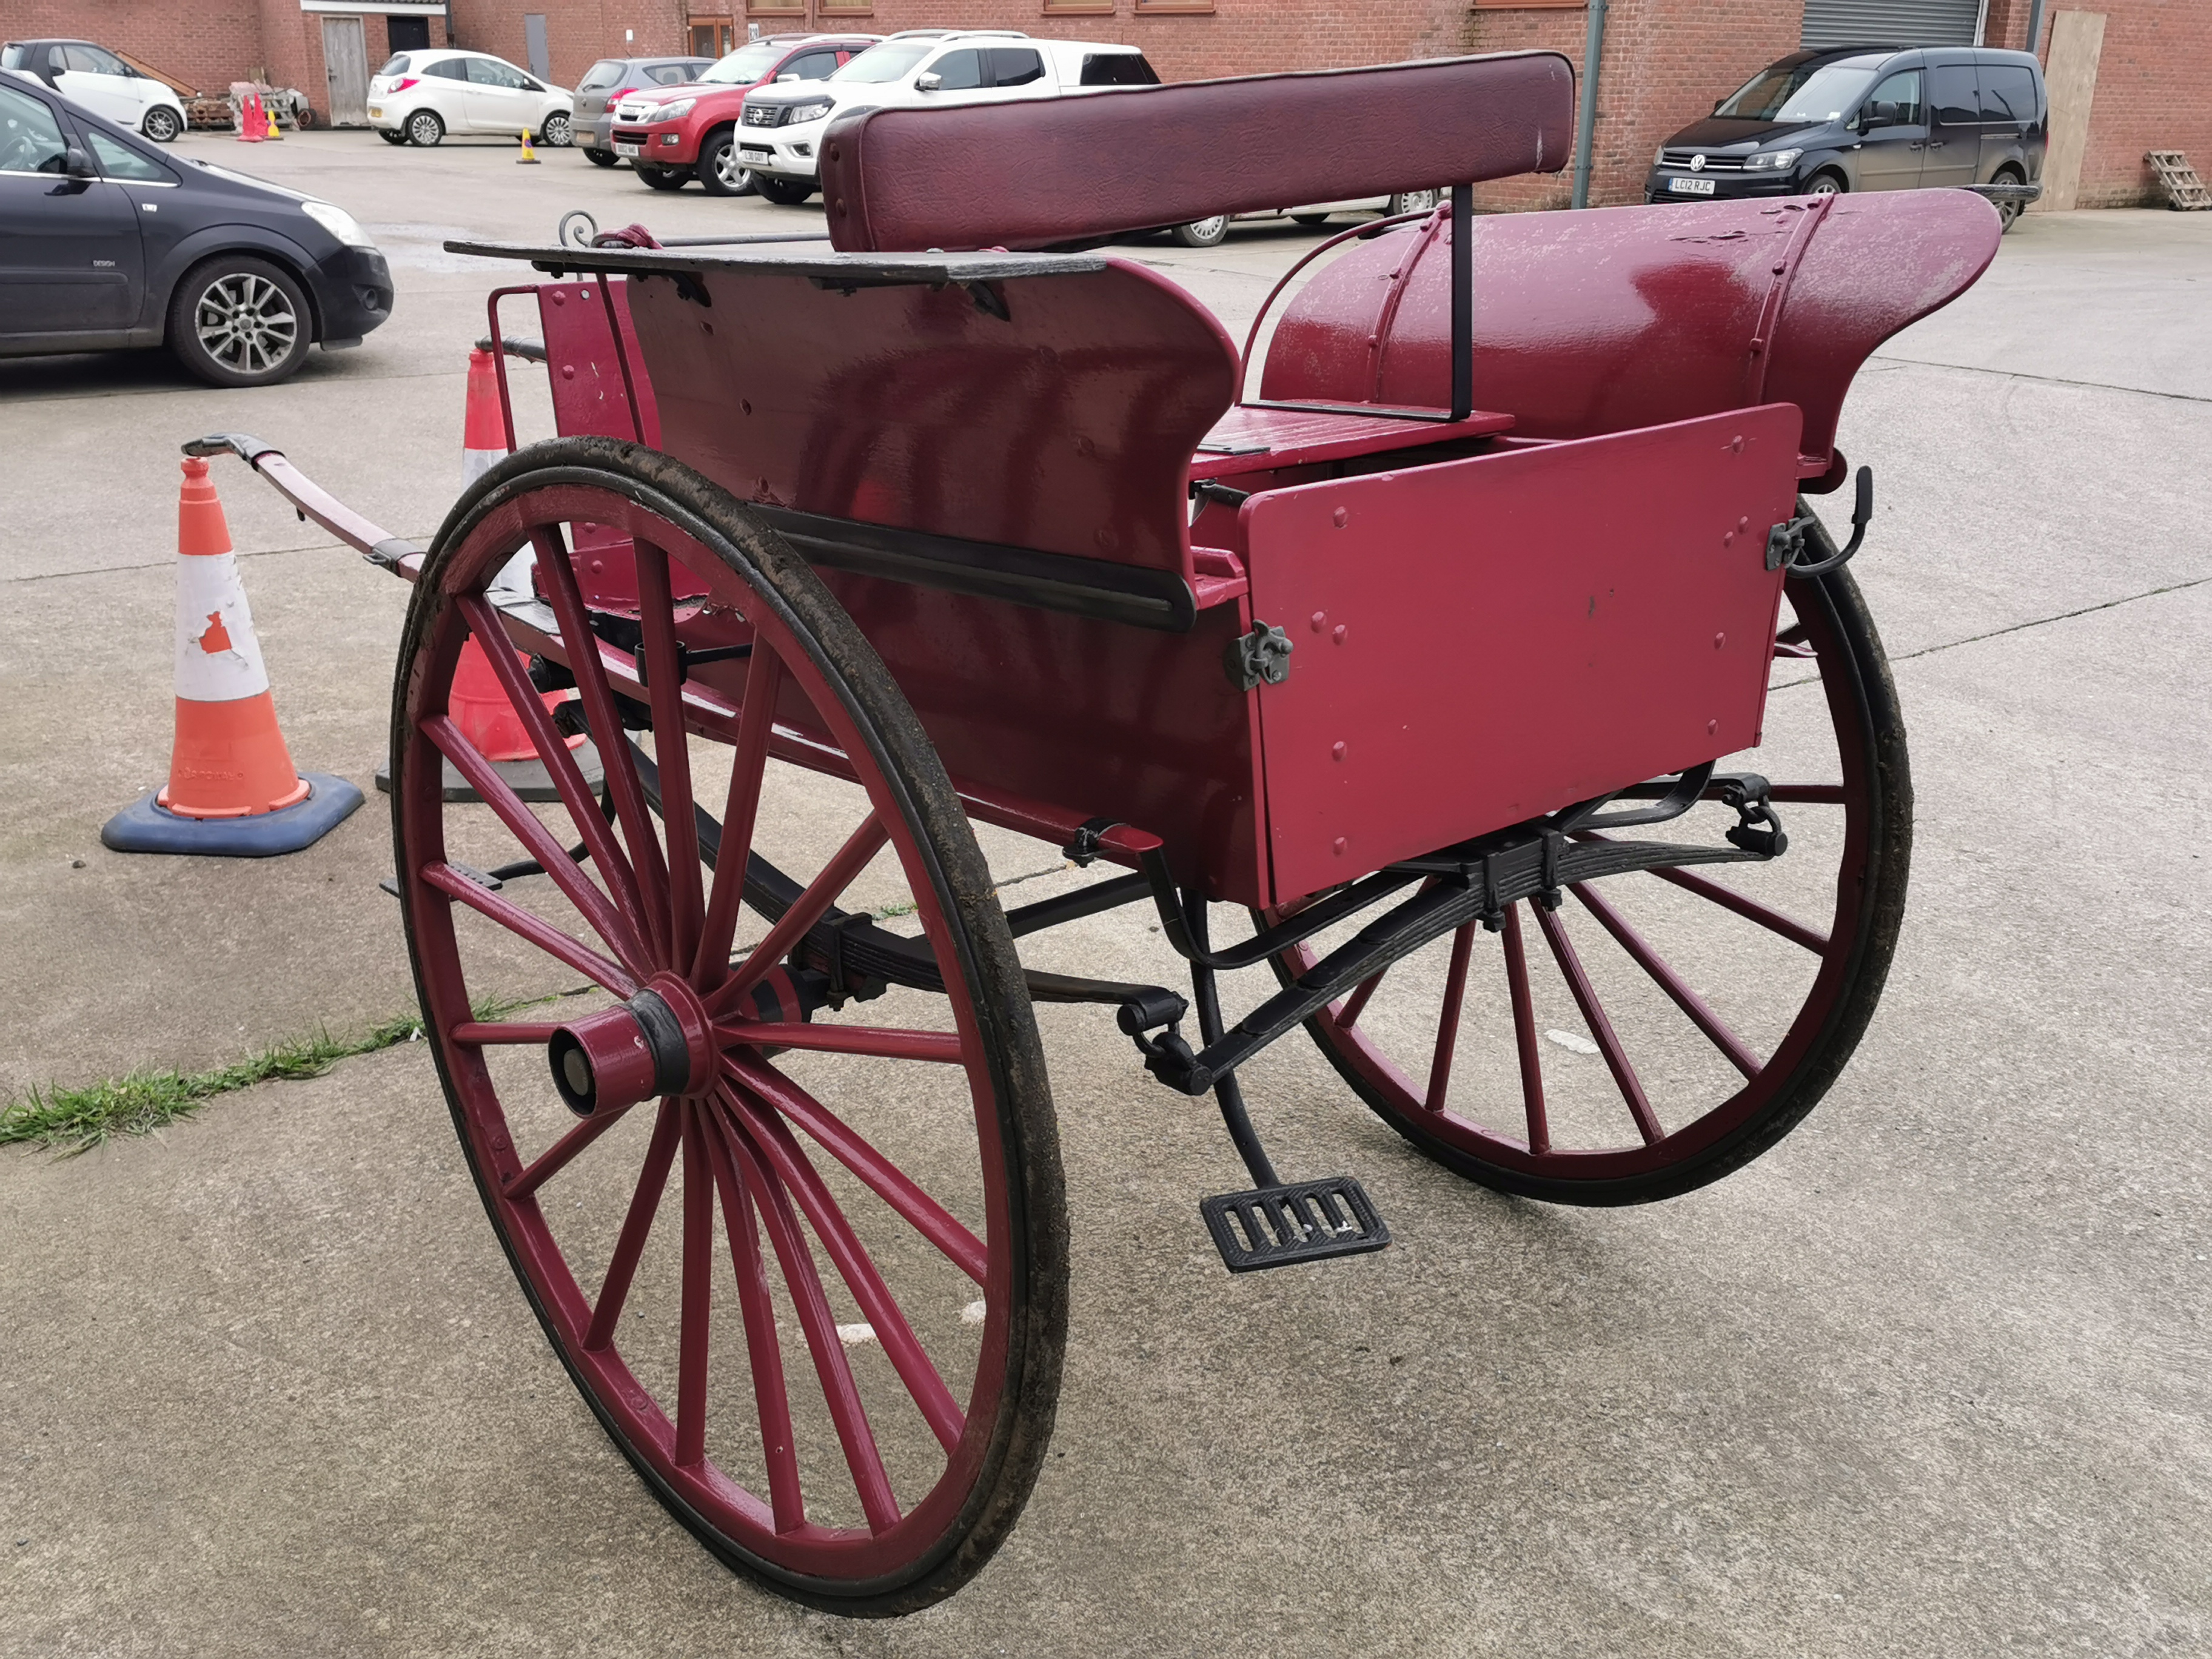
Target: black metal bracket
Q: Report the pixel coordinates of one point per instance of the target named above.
(1213, 489)
(1785, 543)
(687, 658)
(1262, 657)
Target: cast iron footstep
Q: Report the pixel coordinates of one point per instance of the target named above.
(1305, 1221)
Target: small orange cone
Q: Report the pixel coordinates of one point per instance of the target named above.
(233, 790)
(529, 156)
(272, 132)
(249, 119)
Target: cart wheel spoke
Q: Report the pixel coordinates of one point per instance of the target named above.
(1440, 1060)
(883, 1177)
(771, 1398)
(590, 674)
(698, 1292)
(518, 921)
(671, 751)
(562, 1152)
(1524, 1034)
(1362, 994)
(1668, 980)
(560, 763)
(1601, 1028)
(748, 769)
(768, 1133)
(1751, 909)
(804, 1282)
(808, 907)
(637, 1223)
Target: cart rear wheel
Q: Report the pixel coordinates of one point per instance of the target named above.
(1686, 1020)
(861, 1437)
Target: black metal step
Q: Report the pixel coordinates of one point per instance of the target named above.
(1305, 1221)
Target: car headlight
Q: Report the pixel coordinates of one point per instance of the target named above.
(1772, 161)
(1659, 157)
(813, 112)
(337, 221)
(675, 112)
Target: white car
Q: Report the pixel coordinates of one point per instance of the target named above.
(419, 97)
(102, 83)
(782, 126)
(1209, 233)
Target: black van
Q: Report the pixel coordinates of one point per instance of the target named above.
(1868, 118)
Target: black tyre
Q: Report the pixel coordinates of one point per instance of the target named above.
(1622, 1079)
(663, 177)
(1411, 201)
(392, 135)
(1827, 183)
(890, 1484)
(558, 133)
(1203, 233)
(784, 192)
(1309, 218)
(719, 172)
(425, 127)
(2008, 211)
(599, 158)
(161, 124)
(238, 320)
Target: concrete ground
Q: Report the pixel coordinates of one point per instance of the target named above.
(1930, 1378)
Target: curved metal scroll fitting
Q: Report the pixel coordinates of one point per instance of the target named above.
(1785, 543)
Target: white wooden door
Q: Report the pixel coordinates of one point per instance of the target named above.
(345, 66)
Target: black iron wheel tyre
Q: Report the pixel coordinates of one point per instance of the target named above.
(657, 177)
(599, 158)
(392, 135)
(239, 321)
(718, 173)
(784, 192)
(1691, 1149)
(829, 668)
(557, 132)
(424, 127)
(161, 124)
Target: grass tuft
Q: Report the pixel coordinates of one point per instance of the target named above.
(71, 1121)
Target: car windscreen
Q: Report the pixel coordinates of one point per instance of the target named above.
(604, 73)
(1826, 92)
(881, 64)
(745, 65)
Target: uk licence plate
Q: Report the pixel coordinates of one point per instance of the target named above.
(631, 150)
(1691, 186)
(752, 155)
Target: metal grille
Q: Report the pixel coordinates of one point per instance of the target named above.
(1893, 22)
(761, 115)
(1680, 158)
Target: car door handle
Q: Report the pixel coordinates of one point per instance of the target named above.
(1934, 143)
(1917, 144)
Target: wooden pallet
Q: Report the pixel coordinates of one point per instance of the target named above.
(2185, 191)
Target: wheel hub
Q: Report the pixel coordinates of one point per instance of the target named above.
(660, 1042)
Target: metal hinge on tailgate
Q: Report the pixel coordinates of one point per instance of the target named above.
(1262, 657)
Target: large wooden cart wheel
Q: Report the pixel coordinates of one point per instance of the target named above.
(1663, 1028)
(808, 1267)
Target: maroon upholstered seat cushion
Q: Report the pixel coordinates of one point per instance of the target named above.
(1040, 171)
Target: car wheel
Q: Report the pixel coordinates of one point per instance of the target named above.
(425, 128)
(238, 320)
(599, 158)
(1412, 201)
(392, 135)
(663, 177)
(557, 133)
(1309, 218)
(1826, 183)
(784, 192)
(720, 173)
(161, 124)
(2009, 212)
(1203, 233)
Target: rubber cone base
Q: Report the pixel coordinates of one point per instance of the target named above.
(148, 827)
(528, 778)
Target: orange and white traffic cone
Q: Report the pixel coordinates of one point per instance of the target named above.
(232, 791)
(249, 119)
(475, 701)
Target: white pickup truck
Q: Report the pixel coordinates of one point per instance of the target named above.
(780, 134)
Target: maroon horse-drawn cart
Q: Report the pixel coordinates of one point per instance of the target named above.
(1434, 638)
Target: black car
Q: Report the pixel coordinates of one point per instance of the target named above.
(1868, 118)
(105, 242)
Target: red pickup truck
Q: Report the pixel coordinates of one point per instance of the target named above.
(673, 133)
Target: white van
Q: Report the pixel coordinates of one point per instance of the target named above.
(782, 130)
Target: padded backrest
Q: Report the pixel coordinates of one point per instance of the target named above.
(1596, 322)
(1041, 172)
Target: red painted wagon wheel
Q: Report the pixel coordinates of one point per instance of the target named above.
(1685, 1019)
(810, 1273)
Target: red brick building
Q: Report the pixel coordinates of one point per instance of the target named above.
(2132, 76)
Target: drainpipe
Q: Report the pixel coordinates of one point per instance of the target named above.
(1586, 118)
(2035, 28)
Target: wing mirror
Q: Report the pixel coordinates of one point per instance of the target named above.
(76, 164)
(929, 82)
(1877, 115)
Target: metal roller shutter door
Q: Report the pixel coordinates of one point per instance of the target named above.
(1893, 22)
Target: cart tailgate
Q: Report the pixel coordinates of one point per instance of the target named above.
(1479, 641)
